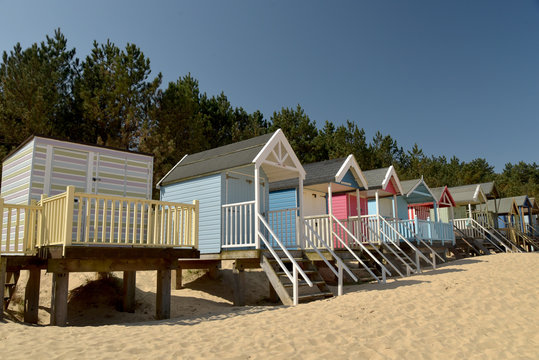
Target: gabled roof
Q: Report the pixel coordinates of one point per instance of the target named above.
(534, 207)
(468, 194)
(259, 150)
(522, 201)
(416, 191)
(380, 178)
(490, 190)
(325, 172)
(443, 196)
(504, 205)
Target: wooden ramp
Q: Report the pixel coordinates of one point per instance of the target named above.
(284, 287)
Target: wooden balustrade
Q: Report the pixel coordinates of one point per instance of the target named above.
(237, 225)
(19, 228)
(74, 218)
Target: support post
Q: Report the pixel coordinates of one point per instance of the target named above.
(60, 285)
(3, 268)
(301, 222)
(295, 290)
(470, 211)
(178, 279)
(418, 262)
(433, 259)
(341, 276)
(395, 207)
(377, 197)
(257, 205)
(330, 212)
(162, 301)
(130, 280)
(238, 274)
(436, 209)
(31, 296)
(358, 205)
(70, 202)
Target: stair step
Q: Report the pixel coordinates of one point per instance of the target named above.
(307, 272)
(284, 260)
(304, 283)
(315, 295)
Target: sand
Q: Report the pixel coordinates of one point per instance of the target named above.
(485, 308)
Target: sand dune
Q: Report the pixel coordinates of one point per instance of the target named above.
(485, 307)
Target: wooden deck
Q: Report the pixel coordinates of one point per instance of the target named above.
(77, 232)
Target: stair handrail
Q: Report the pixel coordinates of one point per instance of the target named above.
(505, 239)
(422, 241)
(463, 238)
(340, 263)
(419, 253)
(387, 243)
(363, 247)
(295, 265)
(507, 248)
(360, 223)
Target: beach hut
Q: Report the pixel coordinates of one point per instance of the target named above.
(327, 208)
(475, 220)
(532, 218)
(70, 207)
(232, 183)
(445, 201)
(415, 206)
(42, 165)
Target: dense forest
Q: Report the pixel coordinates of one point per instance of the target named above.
(111, 98)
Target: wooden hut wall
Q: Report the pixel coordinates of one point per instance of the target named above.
(208, 190)
(16, 175)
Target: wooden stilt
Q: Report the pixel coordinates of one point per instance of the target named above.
(3, 267)
(60, 285)
(213, 272)
(178, 279)
(130, 280)
(162, 303)
(31, 296)
(239, 285)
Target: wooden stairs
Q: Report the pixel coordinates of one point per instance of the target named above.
(10, 284)
(284, 287)
(358, 269)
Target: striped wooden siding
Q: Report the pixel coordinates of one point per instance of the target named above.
(117, 173)
(390, 187)
(16, 172)
(68, 167)
(122, 177)
(208, 191)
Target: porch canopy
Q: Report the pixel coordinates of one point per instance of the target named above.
(383, 182)
(320, 175)
(271, 152)
(418, 193)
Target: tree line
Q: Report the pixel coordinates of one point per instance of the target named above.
(111, 98)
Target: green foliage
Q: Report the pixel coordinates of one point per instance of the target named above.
(36, 92)
(300, 131)
(117, 95)
(110, 98)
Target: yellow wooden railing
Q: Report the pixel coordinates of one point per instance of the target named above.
(19, 228)
(74, 218)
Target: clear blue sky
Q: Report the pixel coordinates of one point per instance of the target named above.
(457, 77)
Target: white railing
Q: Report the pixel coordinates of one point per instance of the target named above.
(19, 228)
(383, 269)
(296, 269)
(320, 236)
(238, 225)
(284, 224)
(471, 228)
(427, 230)
(341, 266)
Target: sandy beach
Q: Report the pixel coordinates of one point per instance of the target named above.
(476, 308)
